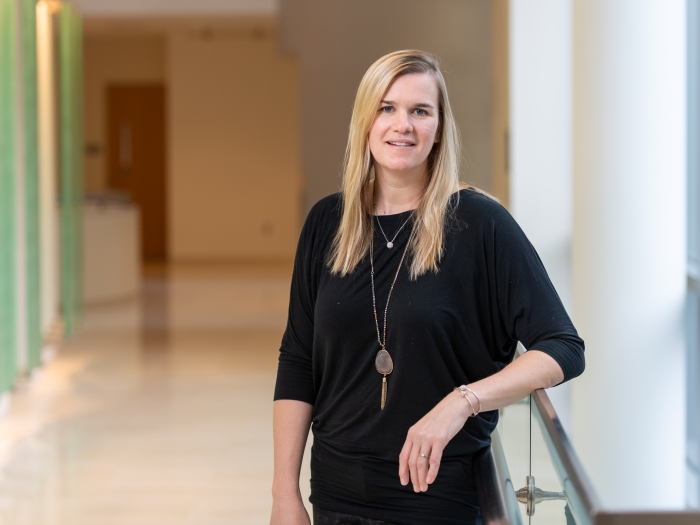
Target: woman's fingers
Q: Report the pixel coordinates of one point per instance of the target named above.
(413, 466)
(422, 464)
(435, 457)
(419, 462)
(403, 462)
(421, 455)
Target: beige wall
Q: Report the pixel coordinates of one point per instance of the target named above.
(500, 119)
(233, 148)
(337, 41)
(113, 59)
(233, 163)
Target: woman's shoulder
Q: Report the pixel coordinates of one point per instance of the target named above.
(493, 222)
(325, 214)
(322, 220)
(475, 204)
(328, 206)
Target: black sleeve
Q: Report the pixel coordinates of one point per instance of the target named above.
(530, 307)
(294, 372)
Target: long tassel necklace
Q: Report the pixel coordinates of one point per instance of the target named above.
(383, 362)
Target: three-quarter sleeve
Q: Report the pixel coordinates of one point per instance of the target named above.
(530, 307)
(295, 371)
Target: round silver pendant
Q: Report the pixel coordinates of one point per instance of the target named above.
(390, 244)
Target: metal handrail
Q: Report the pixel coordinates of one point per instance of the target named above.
(578, 489)
(497, 493)
(582, 499)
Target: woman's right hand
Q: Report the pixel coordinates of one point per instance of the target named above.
(289, 511)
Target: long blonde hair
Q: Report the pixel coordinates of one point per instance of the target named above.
(355, 230)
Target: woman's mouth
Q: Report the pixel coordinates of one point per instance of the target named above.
(401, 144)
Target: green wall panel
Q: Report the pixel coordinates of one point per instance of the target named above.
(31, 182)
(70, 68)
(7, 194)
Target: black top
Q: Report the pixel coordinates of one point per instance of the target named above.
(444, 329)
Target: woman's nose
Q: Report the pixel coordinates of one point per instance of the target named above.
(402, 122)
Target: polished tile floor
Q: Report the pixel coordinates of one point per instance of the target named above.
(158, 411)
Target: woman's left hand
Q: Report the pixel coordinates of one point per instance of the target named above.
(420, 457)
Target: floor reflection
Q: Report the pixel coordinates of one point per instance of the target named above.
(155, 329)
(157, 411)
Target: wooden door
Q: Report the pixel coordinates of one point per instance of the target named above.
(136, 158)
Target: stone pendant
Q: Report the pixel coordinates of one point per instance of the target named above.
(390, 244)
(384, 365)
(383, 362)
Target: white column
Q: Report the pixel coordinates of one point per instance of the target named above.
(48, 167)
(20, 200)
(629, 248)
(540, 130)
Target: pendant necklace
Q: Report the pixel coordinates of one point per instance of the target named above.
(383, 362)
(390, 243)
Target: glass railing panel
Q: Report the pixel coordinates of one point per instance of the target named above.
(544, 491)
(494, 486)
(581, 499)
(540, 465)
(514, 432)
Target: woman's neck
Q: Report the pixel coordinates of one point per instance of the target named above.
(397, 194)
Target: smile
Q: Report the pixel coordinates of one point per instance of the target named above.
(401, 144)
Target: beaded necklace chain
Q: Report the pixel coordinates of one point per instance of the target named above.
(383, 362)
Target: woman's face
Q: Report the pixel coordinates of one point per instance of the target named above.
(405, 128)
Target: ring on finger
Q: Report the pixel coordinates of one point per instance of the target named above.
(426, 456)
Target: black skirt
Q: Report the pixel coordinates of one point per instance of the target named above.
(371, 489)
(328, 517)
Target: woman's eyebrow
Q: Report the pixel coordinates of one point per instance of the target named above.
(418, 105)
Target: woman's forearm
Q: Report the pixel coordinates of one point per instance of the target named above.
(530, 371)
(421, 454)
(291, 420)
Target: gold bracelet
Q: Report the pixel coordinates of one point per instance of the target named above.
(463, 392)
(477, 397)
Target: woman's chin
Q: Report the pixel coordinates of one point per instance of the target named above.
(400, 167)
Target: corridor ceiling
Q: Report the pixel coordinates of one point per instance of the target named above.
(129, 8)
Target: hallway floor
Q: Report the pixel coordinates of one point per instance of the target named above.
(158, 411)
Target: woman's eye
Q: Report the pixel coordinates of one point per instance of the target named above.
(386, 109)
(421, 112)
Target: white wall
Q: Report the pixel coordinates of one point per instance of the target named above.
(598, 92)
(541, 40)
(629, 250)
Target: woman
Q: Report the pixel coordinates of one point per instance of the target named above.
(405, 287)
